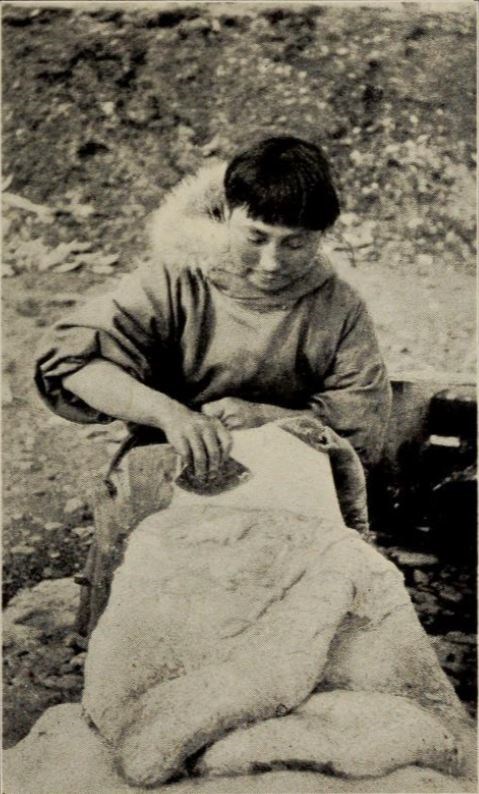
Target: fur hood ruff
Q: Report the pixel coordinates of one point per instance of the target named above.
(189, 230)
(189, 226)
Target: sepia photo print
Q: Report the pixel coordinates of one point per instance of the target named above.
(239, 403)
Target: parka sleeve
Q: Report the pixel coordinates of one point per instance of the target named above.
(355, 398)
(126, 327)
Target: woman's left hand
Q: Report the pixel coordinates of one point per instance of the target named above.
(236, 413)
(239, 414)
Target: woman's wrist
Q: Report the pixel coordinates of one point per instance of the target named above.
(107, 388)
(160, 411)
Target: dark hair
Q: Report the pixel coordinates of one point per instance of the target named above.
(283, 181)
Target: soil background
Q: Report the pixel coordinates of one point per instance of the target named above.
(105, 108)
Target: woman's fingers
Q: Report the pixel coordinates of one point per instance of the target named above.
(199, 452)
(217, 443)
(183, 448)
(208, 446)
(213, 409)
(203, 442)
(223, 409)
(213, 449)
(225, 438)
(233, 422)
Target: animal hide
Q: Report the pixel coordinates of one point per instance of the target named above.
(189, 227)
(229, 611)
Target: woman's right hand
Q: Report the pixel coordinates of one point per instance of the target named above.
(203, 442)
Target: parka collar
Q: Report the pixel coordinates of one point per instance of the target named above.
(230, 283)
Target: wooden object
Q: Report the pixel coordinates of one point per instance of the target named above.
(141, 485)
(412, 394)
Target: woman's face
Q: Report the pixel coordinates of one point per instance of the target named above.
(269, 257)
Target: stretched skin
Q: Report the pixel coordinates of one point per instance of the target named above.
(223, 617)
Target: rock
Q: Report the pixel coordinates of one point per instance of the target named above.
(415, 223)
(108, 108)
(39, 611)
(52, 526)
(452, 656)
(422, 596)
(76, 641)
(22, 549)
(420, 577)
(78, 661)
(350, 218)
(60, 754)
(107, 260)
(215, 146)
(35, 626)
(196, 25)
(84, 532)
(68, 267)
(67, 682)
(411, 559)
(80, 212)
(59, 682)
(63, 754)
(73, 505)
(64, 299)
(360, 236)
(461, 638)
(19, 516)
(450, 594)
(61, 253)
(102, 270)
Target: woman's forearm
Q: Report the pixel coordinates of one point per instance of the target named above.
(270, 413)
(109, 389)
(201, 441)
(237, 413)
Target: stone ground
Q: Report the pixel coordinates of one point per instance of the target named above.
(105, 109)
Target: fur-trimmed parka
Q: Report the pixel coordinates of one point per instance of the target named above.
(180, 330)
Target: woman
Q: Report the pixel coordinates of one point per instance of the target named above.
(237, 320)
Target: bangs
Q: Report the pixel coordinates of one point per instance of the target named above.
(285, 200)
(283, 182)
